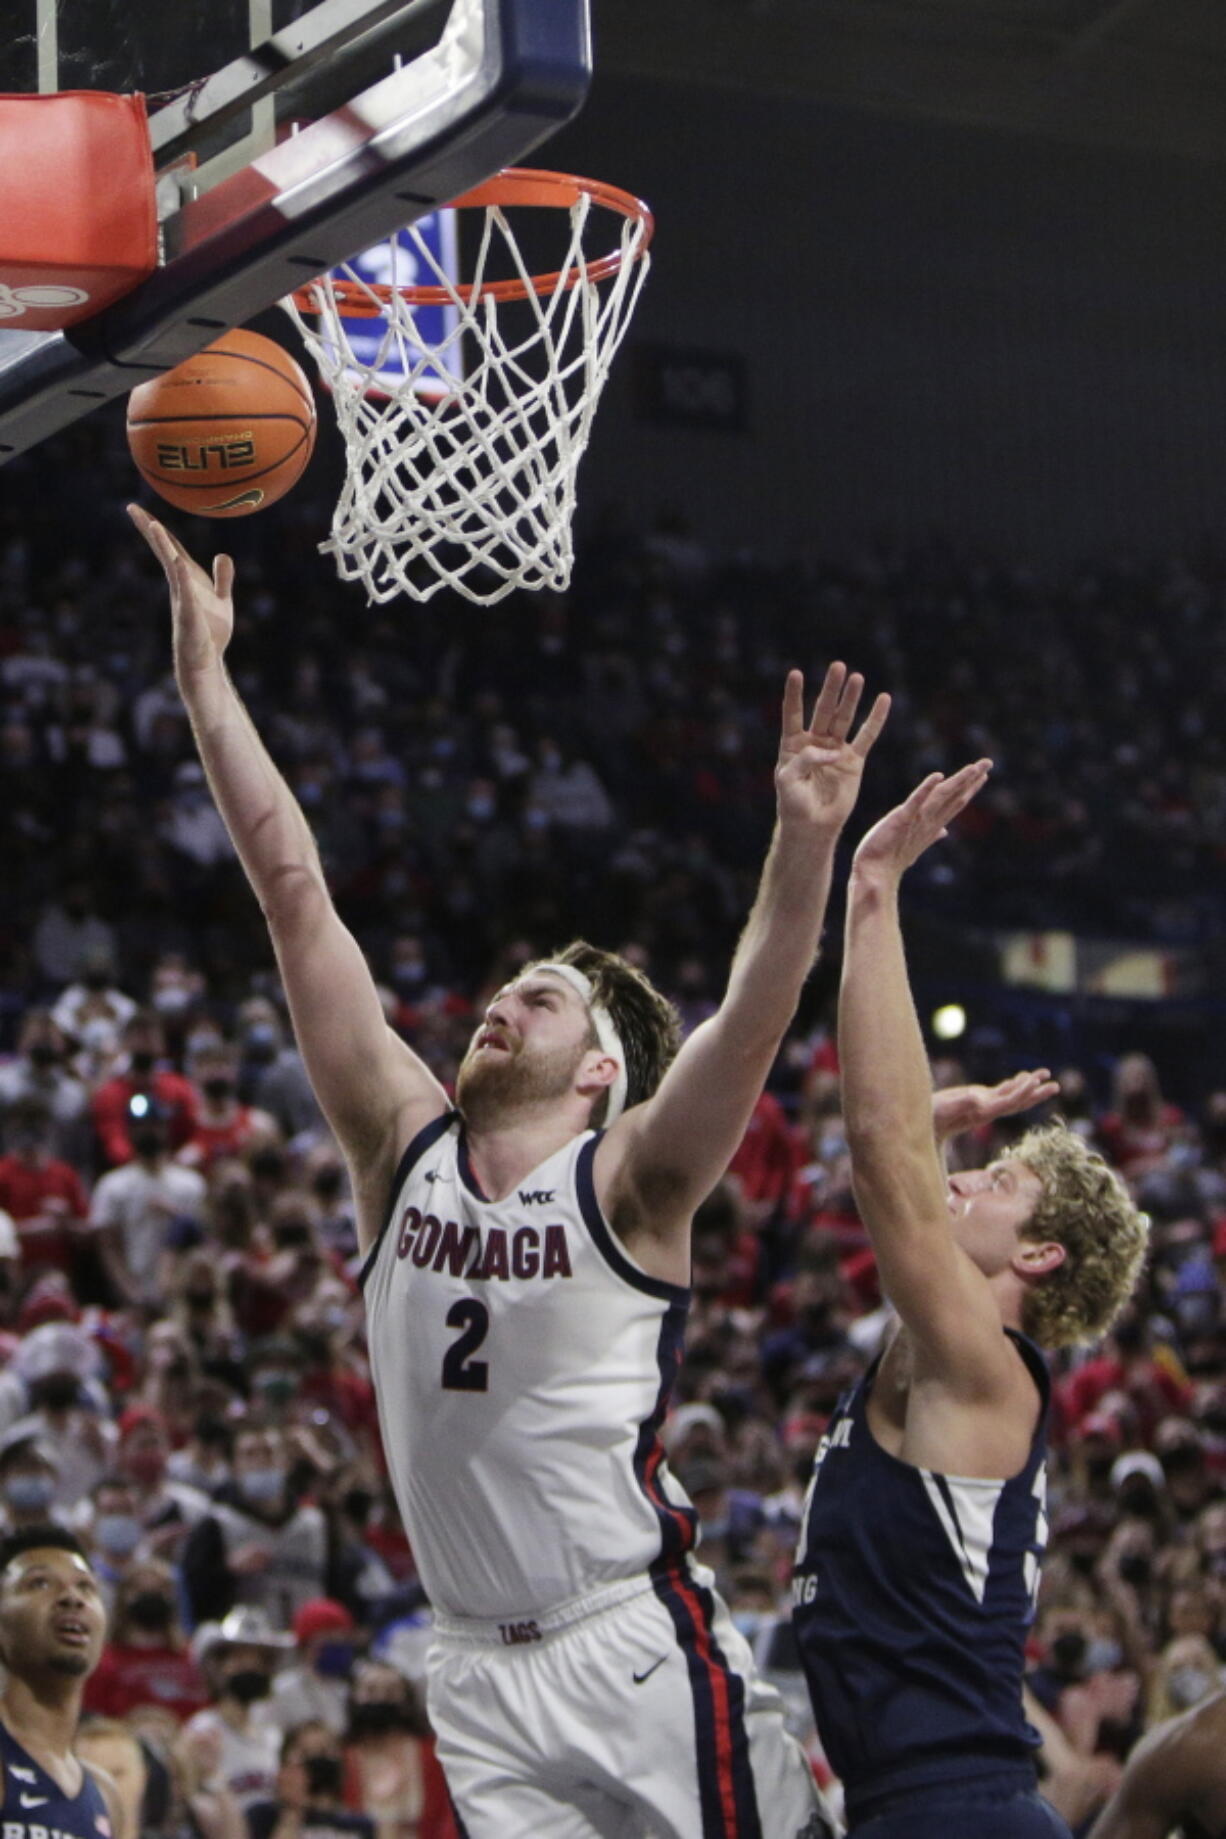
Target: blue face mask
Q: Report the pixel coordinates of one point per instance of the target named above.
(262, 1486)
(334, 1659)
(29, 1492)
(118, 1534)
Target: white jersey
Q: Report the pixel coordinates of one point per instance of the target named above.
(522, 1364)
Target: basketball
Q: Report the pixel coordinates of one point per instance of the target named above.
(226, 432)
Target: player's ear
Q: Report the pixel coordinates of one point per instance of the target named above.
(597, 1073)
(1037, 1257)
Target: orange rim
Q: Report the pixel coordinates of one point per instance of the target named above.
(517, 185)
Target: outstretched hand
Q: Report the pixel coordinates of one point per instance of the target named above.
(903, 834)
(956, 1109)
(818, 776)
(201, 606)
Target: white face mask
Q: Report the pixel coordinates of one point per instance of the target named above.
(1188, 1685)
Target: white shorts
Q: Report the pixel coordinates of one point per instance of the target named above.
(637, 1713)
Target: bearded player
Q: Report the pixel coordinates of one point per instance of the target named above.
(528, 1256)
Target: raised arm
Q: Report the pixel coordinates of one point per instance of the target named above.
(663, 1157)
(373, 1089)
(897, 1173)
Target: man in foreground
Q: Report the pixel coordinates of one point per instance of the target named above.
(919, 1552)
(52, 1627)
(528, 1257)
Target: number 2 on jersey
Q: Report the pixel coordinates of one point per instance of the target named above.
(461, 1373)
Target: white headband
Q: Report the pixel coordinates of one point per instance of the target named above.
(606, 1032)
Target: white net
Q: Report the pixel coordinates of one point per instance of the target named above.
(461, 469)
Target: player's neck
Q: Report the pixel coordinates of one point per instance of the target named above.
(43, 1718)
(503, 1149)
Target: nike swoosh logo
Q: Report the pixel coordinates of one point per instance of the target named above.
(34, 1800)
(254, 497)
(640, 1677)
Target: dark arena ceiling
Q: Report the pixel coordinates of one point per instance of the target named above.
(1141, 74)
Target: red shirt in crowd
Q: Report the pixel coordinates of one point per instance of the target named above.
(767, 1157)
(1134, 1145)
(26, 1188)
(110, 1111)
(128, 1678)
(208, 1143)
(1151, 1386)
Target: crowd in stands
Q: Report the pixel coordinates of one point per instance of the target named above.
(183, 1376)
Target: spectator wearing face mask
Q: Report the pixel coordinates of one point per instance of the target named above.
(257, 1546)
(70, 933)
(29, 1474)
(271, 1073)
(315, 1687)
(53, 1391)
(1187, 1672)
(146, 1661)
(391, 1770)
(134, 1205)
(140, 1073)
(224, 1126)
(113, 1532)
(93, 1002)
(40, 1071)
(166, 1508)
(310, 1782)
(205, 1460)
(240, 1656)
(44, 1196)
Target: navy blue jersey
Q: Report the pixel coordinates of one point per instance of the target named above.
(912, 1595)
(36, 1807)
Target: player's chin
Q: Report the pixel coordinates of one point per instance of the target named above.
(72, 1664)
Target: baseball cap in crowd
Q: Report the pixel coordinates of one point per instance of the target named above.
(242, 1627)
(18, 1442)
(687, 1418)
(1137, 1462)
(1102, 1424)
(57, 1347)
(48, 1300)
(323, 1615)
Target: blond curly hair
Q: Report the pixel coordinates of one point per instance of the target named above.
(1085, 1207)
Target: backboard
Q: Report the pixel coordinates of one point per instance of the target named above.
(287, 136)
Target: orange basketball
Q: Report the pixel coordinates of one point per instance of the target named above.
(228, 431)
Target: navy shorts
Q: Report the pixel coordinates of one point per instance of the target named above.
(988, 1810)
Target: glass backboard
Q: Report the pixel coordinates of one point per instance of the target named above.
(287, 136)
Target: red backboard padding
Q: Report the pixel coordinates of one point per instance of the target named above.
(78, 219)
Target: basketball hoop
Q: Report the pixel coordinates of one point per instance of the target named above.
(462, 445)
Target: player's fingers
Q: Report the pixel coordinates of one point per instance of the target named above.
(828, 699)
(793, 703)
(223, 576)
(872, 725)
(956, 792)
(920, 797)
(845, 709)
